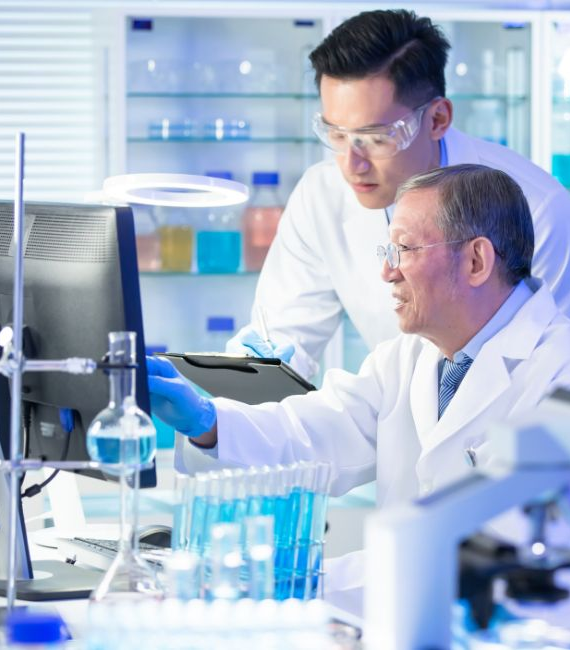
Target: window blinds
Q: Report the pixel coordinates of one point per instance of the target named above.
(50, 87)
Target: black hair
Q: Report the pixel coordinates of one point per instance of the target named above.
(408, 50)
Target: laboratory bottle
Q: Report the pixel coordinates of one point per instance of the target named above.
(147, 239)
(218, 330)
(35, 631)
(218, 239)
(123, 438)
(261, 219)
(176, 239)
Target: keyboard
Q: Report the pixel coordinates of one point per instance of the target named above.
(99, 553)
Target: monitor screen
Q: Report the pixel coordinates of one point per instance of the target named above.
(80, 283)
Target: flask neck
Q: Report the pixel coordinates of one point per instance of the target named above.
(122, 384)
(265, 195)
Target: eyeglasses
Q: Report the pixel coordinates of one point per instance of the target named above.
(391, 252)
(383, 141)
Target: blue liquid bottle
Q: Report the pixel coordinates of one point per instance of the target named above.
(218, 241)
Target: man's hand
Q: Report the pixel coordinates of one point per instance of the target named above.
(248, 342)
(175, 402)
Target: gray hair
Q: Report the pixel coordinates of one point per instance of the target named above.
(477, 201)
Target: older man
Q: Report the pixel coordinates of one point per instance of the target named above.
(482, 341)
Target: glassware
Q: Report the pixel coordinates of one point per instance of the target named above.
(123, 437)
(218, 241)
(259, 553)
(147, 239)
(176, 247)
(225, 561)
(220, 128)
(261, 219)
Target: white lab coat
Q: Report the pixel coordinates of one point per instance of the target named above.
(323, 260)
(382, 423)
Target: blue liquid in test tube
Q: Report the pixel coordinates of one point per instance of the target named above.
(182, 510)
(285, 550)
(198, 519)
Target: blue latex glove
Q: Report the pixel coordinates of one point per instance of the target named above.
(175, 402)
(248, 342)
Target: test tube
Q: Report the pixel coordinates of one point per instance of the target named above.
(254, 497)
(225, 561)
(306, 474)
(183, 497)
(260, 557)
(183, 575)
(198, 518)
(287, 531)
(227, 504)
(322, 483)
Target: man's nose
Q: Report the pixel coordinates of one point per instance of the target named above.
(389, 274)
(356, 162)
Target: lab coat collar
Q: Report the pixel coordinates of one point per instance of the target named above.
(488, 377)
(460, 148)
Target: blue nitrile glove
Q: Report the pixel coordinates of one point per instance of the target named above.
(248, 342)
(175, 402)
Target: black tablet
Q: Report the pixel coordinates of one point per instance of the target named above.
(248, 379)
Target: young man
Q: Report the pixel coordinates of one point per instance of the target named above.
(385, 115)
(482, 342)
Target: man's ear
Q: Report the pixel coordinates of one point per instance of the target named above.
(481, 258)
(440, 116)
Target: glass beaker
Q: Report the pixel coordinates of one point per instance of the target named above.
(123, 437)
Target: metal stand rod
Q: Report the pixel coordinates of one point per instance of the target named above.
(33, 464)
(15, 411)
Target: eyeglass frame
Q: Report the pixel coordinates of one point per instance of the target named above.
(401, 123)
(383, 251)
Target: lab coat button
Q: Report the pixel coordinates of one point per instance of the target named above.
(470, 457)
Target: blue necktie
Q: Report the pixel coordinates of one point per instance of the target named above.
(451, 376)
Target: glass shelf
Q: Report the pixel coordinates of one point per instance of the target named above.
(269, 140)
(468, 97)
(193, 274)
(197, 95)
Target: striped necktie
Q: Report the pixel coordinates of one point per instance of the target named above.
(451, 376)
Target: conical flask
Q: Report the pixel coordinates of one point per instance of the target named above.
(123, 437)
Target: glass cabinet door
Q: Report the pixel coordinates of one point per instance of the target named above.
(488, 80)
(559, 31)
(221, 93)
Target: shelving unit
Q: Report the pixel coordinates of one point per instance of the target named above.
(497, 65)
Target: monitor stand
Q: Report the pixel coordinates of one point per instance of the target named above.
(44, 579)
(55, 580)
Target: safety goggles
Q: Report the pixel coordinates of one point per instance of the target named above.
(382, 141)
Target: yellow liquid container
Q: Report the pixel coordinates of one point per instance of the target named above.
(176, 247)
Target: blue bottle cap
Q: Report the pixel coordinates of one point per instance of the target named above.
(28, 627)
(228, 176)
(220, 324)
(265, 178)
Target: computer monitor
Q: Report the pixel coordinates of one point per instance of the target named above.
(80, 282)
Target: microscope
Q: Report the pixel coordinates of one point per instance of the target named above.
(422, 556)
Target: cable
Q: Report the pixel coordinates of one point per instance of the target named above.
(36, 488)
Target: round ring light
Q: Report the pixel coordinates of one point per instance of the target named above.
(175, 190)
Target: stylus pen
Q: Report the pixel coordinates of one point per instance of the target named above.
(263, 324)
